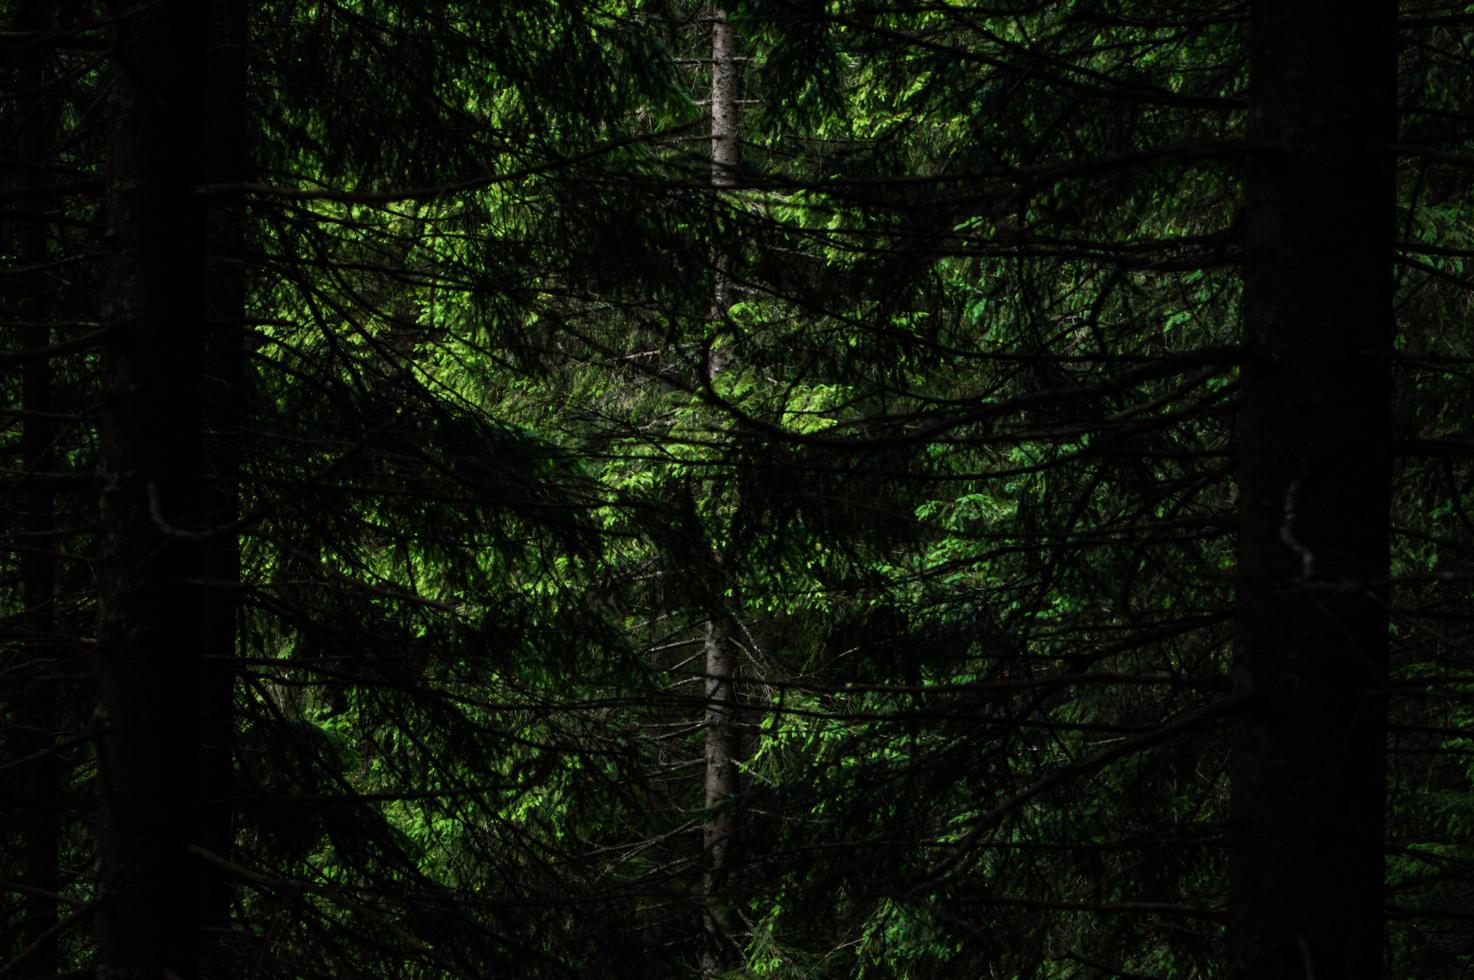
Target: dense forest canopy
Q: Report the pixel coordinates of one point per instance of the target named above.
(643, 488)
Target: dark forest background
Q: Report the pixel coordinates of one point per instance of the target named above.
(772, 488)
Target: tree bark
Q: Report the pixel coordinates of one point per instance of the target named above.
(150, 449)
(723, 738)
(40, 779)
(224, 406)
(1306, 856)
(726, 157)
(723, 787)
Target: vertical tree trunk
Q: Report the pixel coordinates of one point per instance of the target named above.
(36, 113)
(721, 950)
(1306, 857)
(721, 797)
(726, 156)
(224, 407)
(150, 449)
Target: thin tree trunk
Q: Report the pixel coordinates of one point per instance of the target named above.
(721, 797)
(150, 448)
(1308, 774)
(721, 950)
(726, 157)
(37, 711)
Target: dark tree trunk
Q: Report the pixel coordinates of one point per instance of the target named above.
(721, 798)
(224, 407)
(1308, 775)
(36, 117)
(150, 636)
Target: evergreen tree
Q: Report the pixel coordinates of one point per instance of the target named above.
(927, 529)
(1314, 483)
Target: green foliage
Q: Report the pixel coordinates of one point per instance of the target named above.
(963, 487)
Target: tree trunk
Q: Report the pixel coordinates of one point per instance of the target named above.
(224, 405)
(722, 789)
(1306, 855)
(150, 448)
(726, 156)
(36, 117)
(721, 951)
